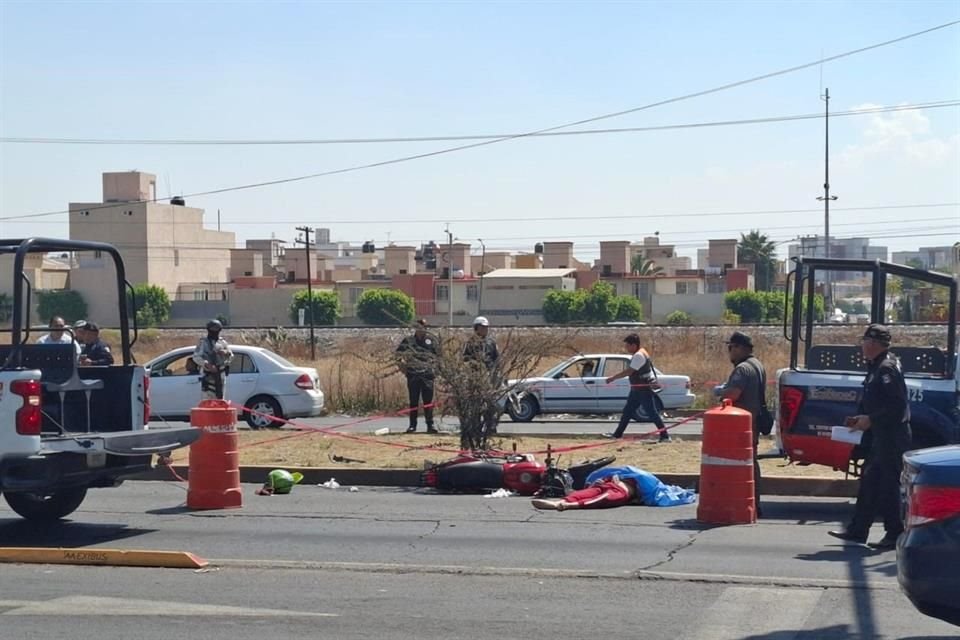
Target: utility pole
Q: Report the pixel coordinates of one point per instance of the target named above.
(483, 271)
(826, 197)
(305, 241)
(449, 276)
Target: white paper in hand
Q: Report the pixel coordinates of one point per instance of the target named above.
(846, 434)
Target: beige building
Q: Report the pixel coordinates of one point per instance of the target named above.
(399, 260)
(162, 244)
(722, 254)
(465, 297)
(485, 263)
(614, 257)
(349, 292)
(516, 295)
(558, 255)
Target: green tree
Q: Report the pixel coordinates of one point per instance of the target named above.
(152, 306)
(385, 307)
(749, 305)
(644, 267)
(325, 306)
(679, 318)
(6, 307)
(600, 305)
(65, 303)
(757, 249)
(629, 309)
(558, 306)
(773, 302)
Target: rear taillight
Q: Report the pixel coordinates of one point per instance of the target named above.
(146, 398)
(29, 416)
(932, 504)
(304, 382)
(791, 399)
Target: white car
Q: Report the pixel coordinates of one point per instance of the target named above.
(259, 379)
(577, 385)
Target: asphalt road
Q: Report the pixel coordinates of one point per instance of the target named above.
(390, 563)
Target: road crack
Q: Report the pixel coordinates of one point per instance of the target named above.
(672, 553)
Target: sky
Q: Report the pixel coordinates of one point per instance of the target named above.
(308, 70)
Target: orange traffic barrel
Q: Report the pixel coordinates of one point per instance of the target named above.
(214, 479)
(726, 467)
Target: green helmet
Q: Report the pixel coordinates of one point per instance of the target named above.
(282, 481)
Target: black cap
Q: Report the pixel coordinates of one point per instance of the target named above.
(741, 339)
(877, 332)
(91, 326)
(214, 325)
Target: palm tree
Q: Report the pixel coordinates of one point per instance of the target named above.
(757, 249)
(643, 267)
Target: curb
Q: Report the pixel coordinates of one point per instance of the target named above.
(772, 485)
(102, 557)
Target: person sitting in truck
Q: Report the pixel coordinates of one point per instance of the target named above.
(58, 334)
(95, 352)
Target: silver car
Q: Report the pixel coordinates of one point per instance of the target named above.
(577, 385)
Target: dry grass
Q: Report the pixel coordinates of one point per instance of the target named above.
(311, 449)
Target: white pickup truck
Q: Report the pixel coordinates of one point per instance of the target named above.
(65, 428)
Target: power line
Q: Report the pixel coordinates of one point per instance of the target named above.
(406, 139)
(576, 123)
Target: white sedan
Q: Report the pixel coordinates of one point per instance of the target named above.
(259, 379)
(577, 385)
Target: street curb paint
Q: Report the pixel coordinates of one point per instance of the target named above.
(102, 557)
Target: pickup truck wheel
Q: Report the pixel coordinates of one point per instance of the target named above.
(46, 506)
(263, 405)
(525, 409)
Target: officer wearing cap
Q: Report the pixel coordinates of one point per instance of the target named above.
(481, 349)
(884, 417)
(417, 359)
(95, 352)
(213, 357)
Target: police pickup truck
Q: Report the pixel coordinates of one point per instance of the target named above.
(65, 428)
(822, 386)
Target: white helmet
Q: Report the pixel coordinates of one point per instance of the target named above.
(481, 321)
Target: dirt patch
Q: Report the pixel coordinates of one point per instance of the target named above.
(288, 448)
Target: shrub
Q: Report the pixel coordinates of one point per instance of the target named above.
(65, 303)
(385, 307)
(679, 318)
(6, 307)
(152, 305)
(325, 307)
(749, 305)
(629, 309)
(729, 317)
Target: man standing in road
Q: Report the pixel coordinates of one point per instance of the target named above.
(481, 349)
(95, 352)
(745, 388)
(417, 359)
(884, 417)
(643, 383)
(213, 356)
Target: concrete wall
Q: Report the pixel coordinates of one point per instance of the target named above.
(705, 308)
(190, 313)
(261, 307)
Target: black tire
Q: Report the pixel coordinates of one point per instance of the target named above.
(263, 404)
(46, 507)
(525, 410)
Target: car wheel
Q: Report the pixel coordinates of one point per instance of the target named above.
(525, 409)
(264, 406)
(48, 506)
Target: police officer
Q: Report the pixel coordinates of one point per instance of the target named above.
(95, 352)
(213, 357)
(884, 417)
(417, 359)
(481, 349)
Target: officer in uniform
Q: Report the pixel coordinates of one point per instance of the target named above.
(95, 352)
(417, 359)
(213, 357)
(481, 349)
(884, 417)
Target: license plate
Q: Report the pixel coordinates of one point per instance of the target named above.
(96, 460)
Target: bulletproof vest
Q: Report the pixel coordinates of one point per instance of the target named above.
(645, 374)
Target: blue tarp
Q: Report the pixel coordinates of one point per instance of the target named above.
(652, 492)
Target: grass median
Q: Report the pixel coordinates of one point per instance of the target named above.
(290, 448)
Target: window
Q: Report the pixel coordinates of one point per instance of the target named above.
(353, 294)
(641, 290)
(535, 286)
(715, 286)
(98, 254)
(473, 292)
(587, 368)
(242, 363)
(443, 293)
(614, 366)
(686, 288)
(200, 294)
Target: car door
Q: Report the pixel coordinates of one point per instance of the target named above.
(572, 391)
(244, 380)
(174, 385)
(611, 397)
